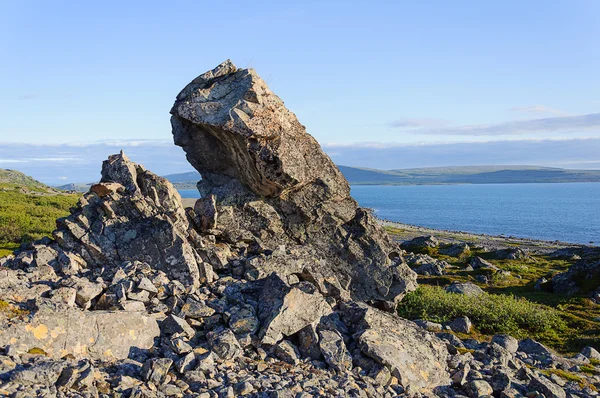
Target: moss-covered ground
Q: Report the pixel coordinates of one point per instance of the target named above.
(511, 304)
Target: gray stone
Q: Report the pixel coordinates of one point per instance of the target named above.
(224, 344)
(309, 343)
(284, 310)
(478, 262)
(196, 309)
(467, 288)
(480, 388)
(461, 325)
(174, 324)
(44, 373)
(243, 320)
(287, 352)
(532, 347)
(415, 357)
(96, 334)
(546, 387)
(334, 350)
(428, 325)
(508, 342)
(421, 242)
(147, 285)
(155, 370)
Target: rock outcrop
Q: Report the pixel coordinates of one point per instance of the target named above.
(274, 284)
(267, 182)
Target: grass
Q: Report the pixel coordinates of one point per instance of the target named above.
(25, 217)
(490, 313)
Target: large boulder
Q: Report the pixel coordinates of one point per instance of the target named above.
(92, 334)
(269, 183)
(417, 358)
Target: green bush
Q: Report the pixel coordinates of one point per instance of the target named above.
(490, 313)
(27, 217)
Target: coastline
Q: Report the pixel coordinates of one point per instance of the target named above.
(401, 231)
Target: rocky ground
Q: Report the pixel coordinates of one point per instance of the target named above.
(275, 283)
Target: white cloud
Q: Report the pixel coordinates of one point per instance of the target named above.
(539, 109)
(563, 124)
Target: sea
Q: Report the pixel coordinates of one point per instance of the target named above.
(568, 212)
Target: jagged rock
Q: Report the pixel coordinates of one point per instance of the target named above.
(334, 350)
(459, 377)
(478, 262)
(243, 320)
(44, 373)
(155, 370)
(131, 215)
(415, 357)
(287, 352)
(176, 325)
(309, 343)
(546, 387)
(196, 309)
(97, 334)
(65, 295)
(421, 242)
(273, 184)
(224, 344)
(284, 310)
(467, 288)
(424, 264)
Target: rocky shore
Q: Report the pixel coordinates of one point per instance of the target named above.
(274, 284)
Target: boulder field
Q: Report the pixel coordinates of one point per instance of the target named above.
(276, 283)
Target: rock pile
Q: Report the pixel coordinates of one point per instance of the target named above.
(275, 284)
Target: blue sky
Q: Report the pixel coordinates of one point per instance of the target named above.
(360, 75)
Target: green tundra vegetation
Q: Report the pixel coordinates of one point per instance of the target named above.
(29, 212)
(510, 304)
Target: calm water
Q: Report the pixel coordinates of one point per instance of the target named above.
(567, 212)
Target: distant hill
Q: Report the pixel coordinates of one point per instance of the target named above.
(75, 186)
(184, 177)
(15, 180)
(423, 176)
(467, 175)
(14, 177)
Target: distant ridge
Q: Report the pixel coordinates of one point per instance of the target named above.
(424, 176)
(467, 175)
(14, 177)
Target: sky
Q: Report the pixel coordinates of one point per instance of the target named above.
(382, 84)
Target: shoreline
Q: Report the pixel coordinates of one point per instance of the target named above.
(404, 231)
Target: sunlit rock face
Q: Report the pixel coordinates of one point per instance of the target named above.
(272, 185)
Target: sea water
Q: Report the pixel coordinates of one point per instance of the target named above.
(568, 212)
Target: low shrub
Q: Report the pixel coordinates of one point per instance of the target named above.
(490, 313)
(27, 217)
